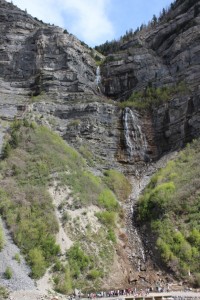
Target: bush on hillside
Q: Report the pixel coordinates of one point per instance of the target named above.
(78, 260)
(8, 273)
(37, 262)
(118, 183)
(3, 293)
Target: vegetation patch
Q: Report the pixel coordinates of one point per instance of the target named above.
(95, 256)
(31, 157)
(171, 204)
(151, 96)
(118, 183)
(87, 155)
(108, 200)
(3, 293)
(84, 185)
(78, 260)
(91, 256)
(107, 218)
(17, 258)
(8, 273)
(62, 281)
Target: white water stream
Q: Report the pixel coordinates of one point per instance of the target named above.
(98, 76)
(135, 139)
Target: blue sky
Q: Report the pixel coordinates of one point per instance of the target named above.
(94, 21)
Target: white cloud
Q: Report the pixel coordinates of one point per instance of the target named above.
(85, 18)
(44, 10)
(90, 19)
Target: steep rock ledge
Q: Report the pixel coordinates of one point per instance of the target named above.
(176, 123)
(36, 57)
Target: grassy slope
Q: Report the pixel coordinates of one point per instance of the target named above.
(171, 204)
(32, 155)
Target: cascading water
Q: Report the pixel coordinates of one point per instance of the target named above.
(98, 76)
(136, 147)
(135, 140)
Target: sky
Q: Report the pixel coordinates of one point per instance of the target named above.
(94, 21)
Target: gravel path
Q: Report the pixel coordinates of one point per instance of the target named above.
(20, 271)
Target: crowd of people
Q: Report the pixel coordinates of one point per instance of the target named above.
(134, 292)
(118, 293)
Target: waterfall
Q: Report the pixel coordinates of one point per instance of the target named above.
(98, 76)
(135, 140)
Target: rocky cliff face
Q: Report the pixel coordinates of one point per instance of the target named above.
(36, 58)
(165, 54)
(161, 54)
(42, 63)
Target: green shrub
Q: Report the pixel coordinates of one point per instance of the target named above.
(156, 201)
(37, 263)
(58, 266)
(3, 293)
(17, 258)
(6, 150)
(56, 280)
(8, 273)
(78, 260)
(118, 183)
(194, 238)
(63, 282)
(111, 236)
(107, 200)
(14, 140)
(109, 58)
(107, 218)
(94, 274)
